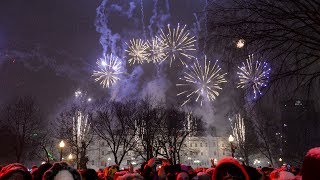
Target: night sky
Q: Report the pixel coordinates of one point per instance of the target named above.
(48, 49)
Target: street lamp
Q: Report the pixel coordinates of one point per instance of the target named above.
(70, 157)
(231, 139)
(61, 145)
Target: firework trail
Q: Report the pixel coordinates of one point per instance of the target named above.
(142, 20)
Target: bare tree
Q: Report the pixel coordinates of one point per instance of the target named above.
(74, 126)
(286, 33)
(22, 120)
(116, 124)
(245, 137)
(149, 120)
(176, 127)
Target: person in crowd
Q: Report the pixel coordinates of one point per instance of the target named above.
(33, 168)
(182, 176)
(89, 174)
(203, 176)
(229, 168)
(311, 165)
(281, 174)
(61, 171)
(110, 171)
(101, 174)
(15, 171)
(37, 174)
(254, 173)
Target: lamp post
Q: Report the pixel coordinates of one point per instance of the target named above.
(70, 157)
(231, 145)
(61, 145)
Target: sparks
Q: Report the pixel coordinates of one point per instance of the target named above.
(156, 50)
(201, 82)
(253, 75)
(109, 71)
(81, 127)
(239, 129)
(137, 51)
(178, 44)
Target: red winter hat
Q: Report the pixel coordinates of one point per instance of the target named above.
(311, 165)
(11, 169)
(229, 166)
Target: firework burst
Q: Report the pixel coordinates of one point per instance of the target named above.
(201, 82)
(156, 50)
(109, 71)
(138, 51)
(177, 44)
(253, 75)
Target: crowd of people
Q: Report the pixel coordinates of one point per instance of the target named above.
(227, 168)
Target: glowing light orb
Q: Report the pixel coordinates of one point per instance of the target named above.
(137, 51)
(201, 82)
(240, 43)
(178, 44)
(109, 71)
(253, 75)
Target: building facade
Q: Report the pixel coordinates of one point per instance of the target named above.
(196, 151)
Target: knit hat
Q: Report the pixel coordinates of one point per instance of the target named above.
(66, 172)
(311, 165)
(11, 170)
(229, 166)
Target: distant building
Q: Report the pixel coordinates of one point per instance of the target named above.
(196, 151)
(300, 128)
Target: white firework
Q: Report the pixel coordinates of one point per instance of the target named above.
(156, 50)
(178, 44)
(80, 128)
(201, 82)
(137, 51)
(253, 75)
(109, 71)
(239, 129)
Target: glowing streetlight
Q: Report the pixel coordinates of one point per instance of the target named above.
(61, 145)
(70, 157)
(280, 159)
(233, 148)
